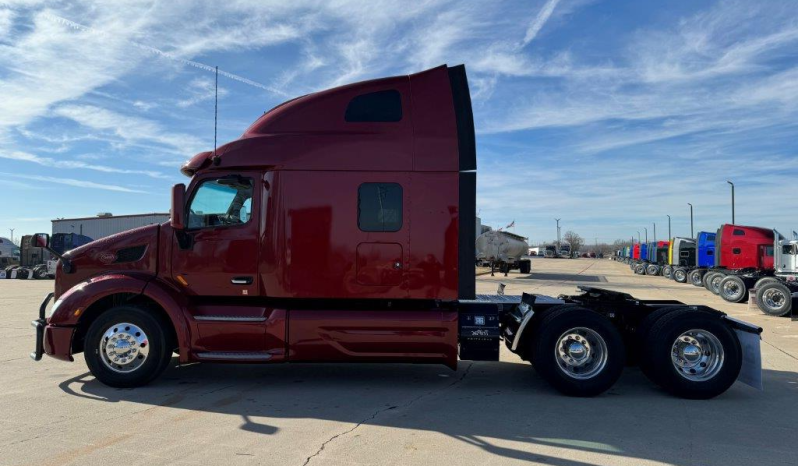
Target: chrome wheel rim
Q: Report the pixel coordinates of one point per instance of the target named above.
(716, 284)
(731, 289)
(679, 274)
(581, 353)
(774, 298)
(697, 355)
(124, 347)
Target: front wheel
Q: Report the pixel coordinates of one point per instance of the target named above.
(640, 269)
(774, 299)
(696, 277)
(667, 271)
(652, 269)
(577, 351)
(680, 275)
(732, 289)
(693, 354)
(127, 346)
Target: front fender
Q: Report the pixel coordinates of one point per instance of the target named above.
(70, 307)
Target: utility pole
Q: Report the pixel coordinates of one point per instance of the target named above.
(638, 237)
(669, 227)
(646, 229)
(691, 220)
(655, 232)
(12, 235)
(557, 253)
(732, 185)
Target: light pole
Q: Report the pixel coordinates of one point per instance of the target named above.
(638, 237)
(691, 220)
(12, 235)
(646, 229)
(732, 185)
(669, 226)
(655, 232)
(558, 237)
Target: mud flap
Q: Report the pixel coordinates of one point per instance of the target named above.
(751, 370)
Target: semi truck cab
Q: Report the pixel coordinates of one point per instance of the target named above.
(340, 228)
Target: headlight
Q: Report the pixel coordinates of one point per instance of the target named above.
(53, 308)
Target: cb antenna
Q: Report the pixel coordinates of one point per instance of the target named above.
(215, 158)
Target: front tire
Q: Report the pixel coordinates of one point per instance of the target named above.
(667, 271)
(640, 269)
(680, 275)
(578, 351)
(774, 299)
(693, 354)
(732, 289)
(127, 346)
(652, 269)
(696, 277)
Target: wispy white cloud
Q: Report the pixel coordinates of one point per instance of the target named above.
(73, 182)
(540, 20)
(200, 90)
(74, 164)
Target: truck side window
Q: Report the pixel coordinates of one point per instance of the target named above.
(221, 202)
(684, 254)
(381, 106)
(710, 252)
(379, 207)
(769, 251)
(738, 233)
(736, 251)
(787, 249)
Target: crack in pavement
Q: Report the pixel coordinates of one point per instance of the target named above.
(380, 411)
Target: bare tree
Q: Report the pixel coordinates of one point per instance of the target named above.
(576, 241)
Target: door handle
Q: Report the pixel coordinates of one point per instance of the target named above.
(241, 281)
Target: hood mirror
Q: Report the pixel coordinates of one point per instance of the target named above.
(178, 220)
(41, 240)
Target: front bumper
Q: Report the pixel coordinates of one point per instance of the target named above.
(51, 340)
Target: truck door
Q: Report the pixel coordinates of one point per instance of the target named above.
(217, 254)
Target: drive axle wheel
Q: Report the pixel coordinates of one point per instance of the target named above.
(732, 289)
(640, 269)
(696, 277)
(706, 280)
(579, 352)
(667, 271)
(714, 283)
(680, 275)
(127, 346)
(774, 299)
(693, 354)
(652, 269)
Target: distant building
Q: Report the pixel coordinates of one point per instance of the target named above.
(106, 224)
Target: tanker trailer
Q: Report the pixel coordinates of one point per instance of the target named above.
(504, 250)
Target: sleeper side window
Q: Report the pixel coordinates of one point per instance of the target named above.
(221, 202)
(375, 107)
(737, 251)
(379, 207)
(738, 232)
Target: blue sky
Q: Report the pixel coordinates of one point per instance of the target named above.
(609, 115)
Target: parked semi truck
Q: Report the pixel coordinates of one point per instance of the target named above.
(681, 256)
(743, 256)
(773, 294)
(38, 263)
(657, 257)
(339, 227)
(503, 250)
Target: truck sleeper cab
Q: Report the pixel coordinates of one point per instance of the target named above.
(331, 231)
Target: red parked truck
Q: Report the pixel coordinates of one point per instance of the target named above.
(743, 256)
(340, 227)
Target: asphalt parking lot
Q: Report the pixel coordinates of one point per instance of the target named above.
(55, 413)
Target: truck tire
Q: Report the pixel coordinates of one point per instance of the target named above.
(652, 269)
(693, 354)
(578, 351)
(127, 346)
(714, 283)
(707, 279)
(696, 277)
(667, 271)
(774, 299)
(40, 273)
(732, 289)
(761, 282)
(640, 269)
(680, 275)
(525, 267)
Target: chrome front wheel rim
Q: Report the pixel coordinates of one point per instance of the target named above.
(124, 347)
(697, 355)
(731, 288)
(581, 353)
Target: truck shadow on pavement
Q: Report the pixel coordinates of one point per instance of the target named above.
(502, 408)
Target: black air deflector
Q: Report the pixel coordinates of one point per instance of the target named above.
(466, 141)
(466, 240)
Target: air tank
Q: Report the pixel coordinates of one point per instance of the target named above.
(501, 246)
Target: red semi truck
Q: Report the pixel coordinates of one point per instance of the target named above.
(340, 227)
(743, 256)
